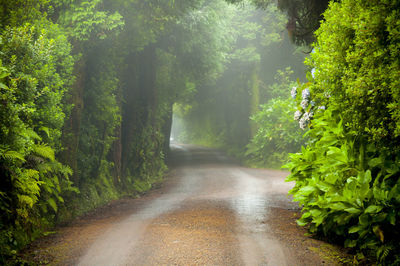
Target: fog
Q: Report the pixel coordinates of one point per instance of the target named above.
(245, 49)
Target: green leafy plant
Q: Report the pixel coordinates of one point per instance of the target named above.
(347, 177)
(35, 69)
(278, 133)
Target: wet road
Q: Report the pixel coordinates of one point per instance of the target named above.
(214, 213)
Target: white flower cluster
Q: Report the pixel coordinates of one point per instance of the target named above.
(303, 122)
(294, 92)
(313, 72)
(304, 104)
(297, 115)
(305, 94)
(304, 119)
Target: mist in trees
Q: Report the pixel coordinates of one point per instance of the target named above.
(257, 50)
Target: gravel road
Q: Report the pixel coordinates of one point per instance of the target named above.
(209, 211)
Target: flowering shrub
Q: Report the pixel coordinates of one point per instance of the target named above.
(347, 178)
(306, 112)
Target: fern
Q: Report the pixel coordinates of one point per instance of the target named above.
(383, 252)
(12, 156)
(30, 174)
(44, 151)
(26, 201)
(32, 134)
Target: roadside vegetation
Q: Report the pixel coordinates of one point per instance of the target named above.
(347, 176)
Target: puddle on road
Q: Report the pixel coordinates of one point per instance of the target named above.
(251, 202)
(251, 205)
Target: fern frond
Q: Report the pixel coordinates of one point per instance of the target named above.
(66, 170)
(25, 200)
(32, 134)
(12, 156)
(45, 167)
(44, 151)
(32, 161)
(3, 86)
(45, 130)
(60, 168)
(31, 174)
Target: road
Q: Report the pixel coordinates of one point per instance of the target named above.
(209, 211)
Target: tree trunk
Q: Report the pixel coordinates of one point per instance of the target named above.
(167, 131)
(140, 107)
(255, 96)
(71, 130)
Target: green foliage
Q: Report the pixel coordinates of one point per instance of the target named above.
(304, 17)
(278, 133)
(358, 66)
(219, 116)
(83, 21)
(15, 12)
(37, 69)
(101, 115)
(147, 156)
(347, 178)
(349, 190)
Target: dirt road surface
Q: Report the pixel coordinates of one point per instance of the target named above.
(209, 211)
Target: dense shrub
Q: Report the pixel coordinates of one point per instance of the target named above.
(277, 132)
(347, 178)
(35, 73)
(277, 135)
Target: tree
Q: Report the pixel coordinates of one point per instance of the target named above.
(304, 17)
(85, 22)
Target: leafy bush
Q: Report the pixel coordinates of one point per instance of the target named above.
(277, 136)
(350, 191)
(347, 178)
(278, 133)
(32, 84)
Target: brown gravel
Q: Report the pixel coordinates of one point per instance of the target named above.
(201, 234)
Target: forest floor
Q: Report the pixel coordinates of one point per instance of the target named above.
(209, 211)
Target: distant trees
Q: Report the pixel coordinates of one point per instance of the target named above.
(304, 16)
(255, 50)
